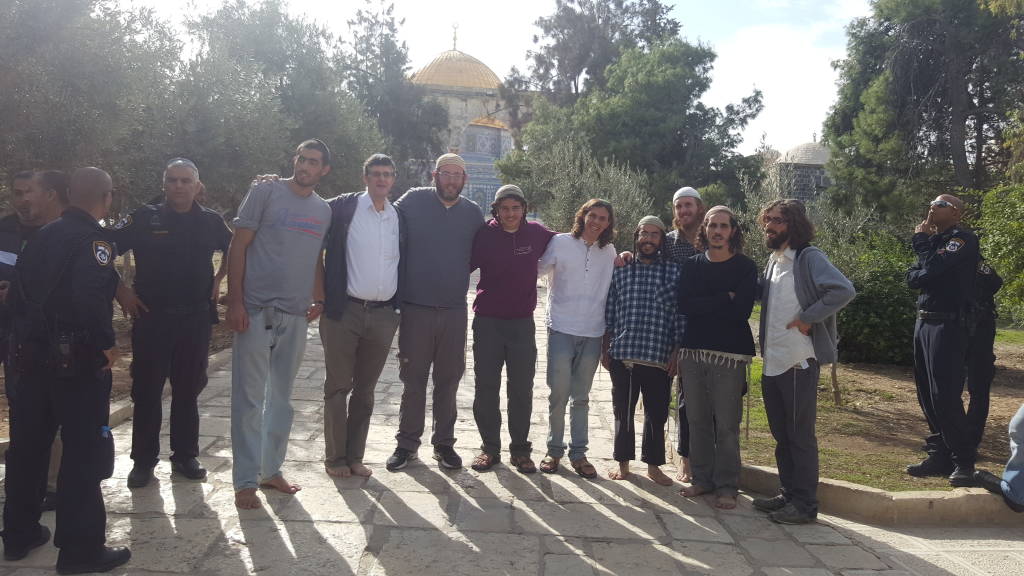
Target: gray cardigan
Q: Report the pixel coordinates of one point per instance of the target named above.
(822, 291)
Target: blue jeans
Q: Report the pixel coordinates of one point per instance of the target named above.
(264, 361)
(572, 361)
(1013, 476)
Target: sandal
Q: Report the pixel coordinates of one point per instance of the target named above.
(484, 461)
(549, 465)
(523, 464)
(584, 468)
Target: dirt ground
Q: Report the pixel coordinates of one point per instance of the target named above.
(122, 384)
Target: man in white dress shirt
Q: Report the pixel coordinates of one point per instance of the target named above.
(361, 263)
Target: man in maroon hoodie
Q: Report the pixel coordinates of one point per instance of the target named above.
(506, 251)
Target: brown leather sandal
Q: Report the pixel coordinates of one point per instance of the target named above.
(523, 464)
(584, 468)
(549, 465)
(484, 461)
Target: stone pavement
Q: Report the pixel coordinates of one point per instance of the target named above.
(424, 520)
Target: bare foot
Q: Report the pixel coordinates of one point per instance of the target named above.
(281, 485)
(360, 470)
(683, 475)
(725, 501)
(659, 477)
(339, 471)
(620, 473)
(693, 490)
(246, 499)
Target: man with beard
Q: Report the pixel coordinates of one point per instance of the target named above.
(802, 294)
(580, 264)
(506, 251)
(680, 244)
(64, 349)
(441, 225)
(173, 242)
(640, 348)
(946, 274)
(716, 296)
(275, 289)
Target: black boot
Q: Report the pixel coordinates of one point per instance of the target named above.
(933, 465)
(104, 561)
(963, 476)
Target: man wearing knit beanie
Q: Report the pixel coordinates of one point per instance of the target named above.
(440, 227)
(506, 251)
(640, 348)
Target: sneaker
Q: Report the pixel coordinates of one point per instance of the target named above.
(963, 476)
(106, 560)
(446, 456)
(931, 466)
(400, 459)
(15, 553)
(770, 504)
(790, 514)
(190, 469)
(140, 476)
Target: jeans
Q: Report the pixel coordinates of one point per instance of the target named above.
(264, 361)
(572, 361)
(1013, 476)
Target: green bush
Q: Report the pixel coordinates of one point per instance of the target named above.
(878, 326)
(1002, 243)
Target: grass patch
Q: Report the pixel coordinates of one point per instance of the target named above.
(1009, 336)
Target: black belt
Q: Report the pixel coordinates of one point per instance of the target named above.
(929, 315)
(369, 303)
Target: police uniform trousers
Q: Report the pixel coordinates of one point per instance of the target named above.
(981, 368)
(940, 349)
(175, 346)
(79, 404)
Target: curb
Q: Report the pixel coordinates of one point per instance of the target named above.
(122, 410)
(956, 507)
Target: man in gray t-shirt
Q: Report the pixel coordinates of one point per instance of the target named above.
(275, 288)
(441, 225)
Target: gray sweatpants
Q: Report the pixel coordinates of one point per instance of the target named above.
(714, 407)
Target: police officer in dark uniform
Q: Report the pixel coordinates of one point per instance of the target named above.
(173, 306)
(15, 231)
(947, 261)
(63, 349)
(981, 359)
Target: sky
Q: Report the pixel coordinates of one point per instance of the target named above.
(783, 47)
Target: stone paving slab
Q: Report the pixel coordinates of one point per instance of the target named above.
(427, 521)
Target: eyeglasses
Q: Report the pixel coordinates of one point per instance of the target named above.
(941, 204)
(649, 234)
(451, 175)
(773, 220)
(380, 174)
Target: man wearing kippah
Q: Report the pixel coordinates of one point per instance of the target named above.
(441, 225)
(688, 210)
(506, 251)
(640, 348)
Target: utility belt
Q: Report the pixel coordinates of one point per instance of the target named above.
(929, 315)
(67, 351)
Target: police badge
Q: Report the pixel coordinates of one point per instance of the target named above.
(103, 252)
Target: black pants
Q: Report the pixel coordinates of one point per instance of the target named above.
(627, 384)
(174, 346)
(508, 342)
(940, 352)
(80, 405)
(791, 404)
(981, 368)
(683, 424)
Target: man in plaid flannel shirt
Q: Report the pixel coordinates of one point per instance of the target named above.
(640, 348)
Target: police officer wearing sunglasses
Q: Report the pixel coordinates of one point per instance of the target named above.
(947, 260)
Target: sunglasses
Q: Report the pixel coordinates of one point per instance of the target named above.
(941, 204)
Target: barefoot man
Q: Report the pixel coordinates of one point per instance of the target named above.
(275, 288)
(640, 349)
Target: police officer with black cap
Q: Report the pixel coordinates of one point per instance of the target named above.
(64, 348)
(945, 271)
(173, 306)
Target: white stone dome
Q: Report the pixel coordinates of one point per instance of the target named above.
(813, 153)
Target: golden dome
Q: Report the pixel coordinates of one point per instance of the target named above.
(457, 69)
(489, 121)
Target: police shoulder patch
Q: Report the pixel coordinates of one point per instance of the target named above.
(103, 252)
(123, 223)
(954, 244)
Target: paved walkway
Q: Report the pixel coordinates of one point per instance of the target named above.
(427, 521)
